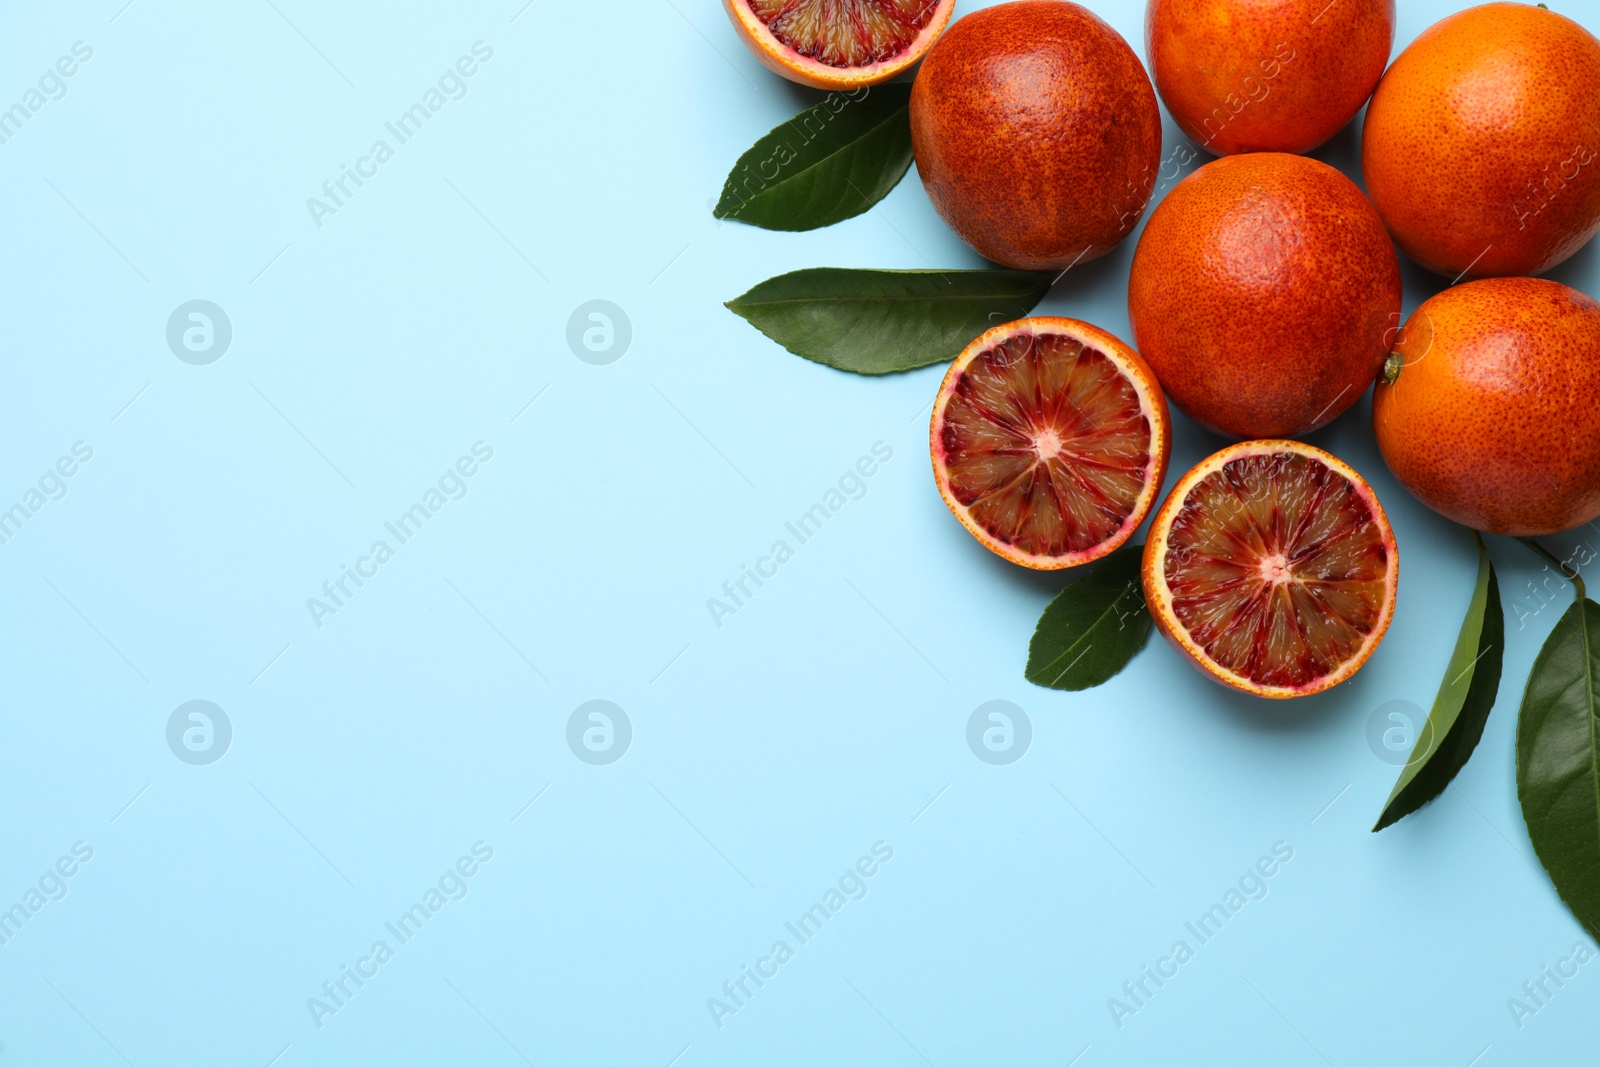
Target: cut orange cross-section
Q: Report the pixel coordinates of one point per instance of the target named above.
(1271, 566)
(839, 44)
(1050, 440)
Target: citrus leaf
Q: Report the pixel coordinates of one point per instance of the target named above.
(882, 321)
(1093, 627)
(829, 163)
(1558, 759)
(1461, 707)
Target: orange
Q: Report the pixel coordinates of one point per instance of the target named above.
(1491, 411)
(1272, 568)
(1049, 440)
(1482, 143)
(1036, 132)
(839, 44)
(1261, 292)
(1266, 75)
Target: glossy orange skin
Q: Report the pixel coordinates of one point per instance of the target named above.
(1261, 293)
(1266, 75)
(1481, 147)
(1037, 133)
(1494, 418)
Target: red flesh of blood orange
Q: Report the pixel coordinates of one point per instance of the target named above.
(1272, 567)
(839, 44)
(1049, 441)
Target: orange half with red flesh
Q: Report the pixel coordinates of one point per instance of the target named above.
(1272, 567)
(839, 44)
(1049, 441)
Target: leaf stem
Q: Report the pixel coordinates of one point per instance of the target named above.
(1561, 568)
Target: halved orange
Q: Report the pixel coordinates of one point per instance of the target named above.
(1050, 440)
(839, 44)
(1271, 566)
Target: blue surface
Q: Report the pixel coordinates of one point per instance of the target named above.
(427, 717)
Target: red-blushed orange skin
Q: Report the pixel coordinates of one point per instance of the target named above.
(1151, 566)
(1261, 293)
(1152, 399)
(783, 60)
(1481, 147)
(1037, 133)
(1266, 75)
(1494, 418)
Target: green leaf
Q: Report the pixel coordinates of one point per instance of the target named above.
(1093, 627)
(882, 321)
(1558, 759)
(1467, 693)
(828, 163)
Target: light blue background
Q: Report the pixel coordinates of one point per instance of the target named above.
(768, 755)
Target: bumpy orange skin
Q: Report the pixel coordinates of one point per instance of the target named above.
(1154, 583)
(1037, 133)
(1481, 147)
(1261, 293)
(1266, 75)
(1494, 419)
(781, 59)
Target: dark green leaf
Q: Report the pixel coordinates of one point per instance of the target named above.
(882, 321)
(828, 163)
(1093, 627)
(1471, 681)
(1558, 759)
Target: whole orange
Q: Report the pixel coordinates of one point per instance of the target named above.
(1261, 293)
(1488, 411)
(1036, 132)
(1481, 147)
(1266, 75)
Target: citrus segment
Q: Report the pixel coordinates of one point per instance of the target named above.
(1273, 568)
(1049, 441)
(839, 44)
(845, 33)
